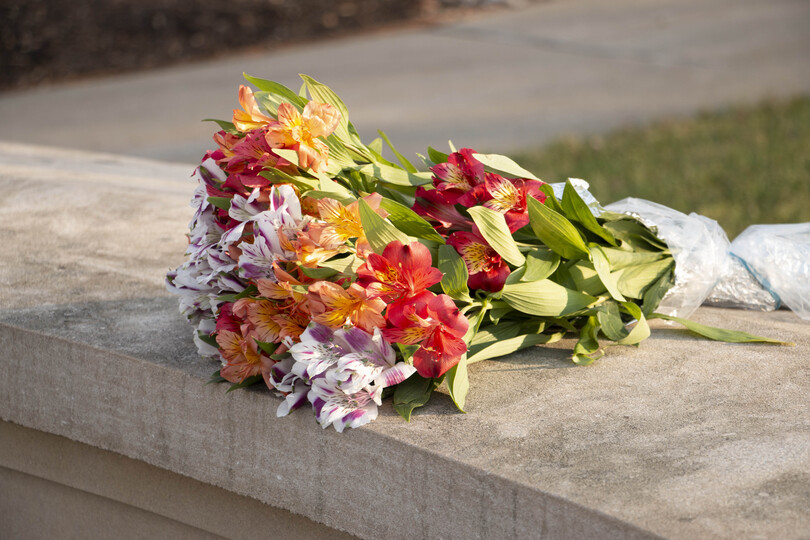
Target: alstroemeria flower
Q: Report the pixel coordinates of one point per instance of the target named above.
(301, 131)
(340, 409)
(461, 174)
(250, 117)
(435, 323)
(317, 351)
(343, 222)
(508, 196)
(486, 269)
(433, 204)
(401, 272)
(371, 360)
(241, 357)
(334, 306)
(251, 155)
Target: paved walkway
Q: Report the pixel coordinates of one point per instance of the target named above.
(499, 82)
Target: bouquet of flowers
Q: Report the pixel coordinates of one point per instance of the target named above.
(338, 278)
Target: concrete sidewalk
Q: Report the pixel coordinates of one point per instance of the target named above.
(499, 82)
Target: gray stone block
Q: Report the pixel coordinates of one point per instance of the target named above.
(680, 437)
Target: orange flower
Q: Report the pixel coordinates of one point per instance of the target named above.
(308, 247)
(301, 132)
(241, 355)
(333, 306)
(343, 222)
(251, 117)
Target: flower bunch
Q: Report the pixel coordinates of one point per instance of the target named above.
(336, 277)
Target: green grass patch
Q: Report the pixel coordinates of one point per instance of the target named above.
(741, 166)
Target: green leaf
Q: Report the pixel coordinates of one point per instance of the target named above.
(640, 331)
(492, 333)
(720, 334)
(587, 350)
(250, 381)
(503, 164)
(555, 231)
(402, 159)
(656, 292)
(267, 348)
(413, 392)
(228, 127)
(407, 352)
(436, 156)
(409, 222)
(216, 377)
(545, 298)
(394, 175)
(636, 235)
(339, 192)
(540, 264)
(610, 321)
(280, 177)
(208, 339)
(379, 232)
(275, 88)
(514, 344)
(344, 265)
(376, 146)
(323, 94)
(576, 209)
(620, 258)
(551, 199)
(288, 154)
(492, 226)
(250, 290)
(223, 203)
(458, 382)
(583, 277)
(319, 273)
(602, 266)
(632, 281)
(454, 282)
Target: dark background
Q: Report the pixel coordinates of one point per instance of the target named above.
(48, 40)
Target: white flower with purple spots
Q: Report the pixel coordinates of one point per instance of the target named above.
(372, 361)
(347, 370)
(335, 407)
(317, 351)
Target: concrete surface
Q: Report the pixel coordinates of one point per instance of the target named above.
(679, 438)
(499, 82)
(136, 500)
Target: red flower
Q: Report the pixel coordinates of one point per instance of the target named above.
(458, 176)
(401, 272)
(435, 323)
(434, 204)
(486, 268)
(508, 196)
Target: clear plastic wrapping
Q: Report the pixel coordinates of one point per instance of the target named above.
(778, 256)
(698, 244)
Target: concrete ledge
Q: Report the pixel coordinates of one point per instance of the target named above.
(679, 438)
(137, 500)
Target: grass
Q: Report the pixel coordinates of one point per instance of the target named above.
(741, 166)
